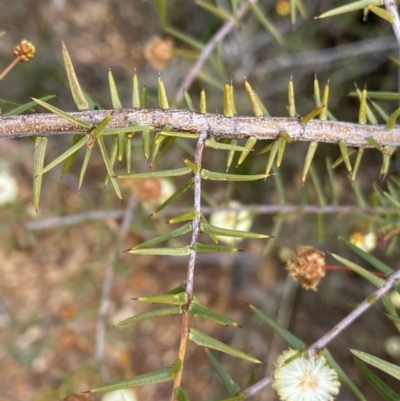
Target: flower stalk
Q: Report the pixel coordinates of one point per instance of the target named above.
(23, 52)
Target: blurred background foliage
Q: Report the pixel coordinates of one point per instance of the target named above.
(52, 278)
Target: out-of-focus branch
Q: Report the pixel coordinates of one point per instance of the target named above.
(107, 285)
(54, 222)
(213, 124)
(208, 49)
(317, 60)
(356, 313)
(391, 8)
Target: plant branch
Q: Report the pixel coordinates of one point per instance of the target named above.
(221, 127)
(336, 330)
(391, 8)
(54, 222)
(319, 60)
(209, 47)
(356, 313)
(192, 259)
(107, 284)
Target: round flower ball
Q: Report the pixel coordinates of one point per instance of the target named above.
(8, 188)
(305, 378)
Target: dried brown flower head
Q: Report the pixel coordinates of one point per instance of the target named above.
(158, 52)
(152, 191)
(147, 190)
(307, 266)
(25, 51)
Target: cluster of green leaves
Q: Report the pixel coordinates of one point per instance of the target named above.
(178, 299)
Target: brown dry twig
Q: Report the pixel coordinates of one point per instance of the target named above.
(261, 128)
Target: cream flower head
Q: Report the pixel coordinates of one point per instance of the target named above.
(306, 378)
(8, 187)
(232, 220)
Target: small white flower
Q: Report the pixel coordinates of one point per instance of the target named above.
(367, 242)
(232, 220)
(306, 378)
(120, 395)
(392, 346)
(8, 188)
(395, 298)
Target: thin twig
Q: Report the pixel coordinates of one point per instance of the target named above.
(316, 60)
(107, 285)
(208, 49)
(197, 207)
(391, 8)
(70, 220)
(10, 67)
(54, 222)
(356, 313)
(336, 330)
(192, 260)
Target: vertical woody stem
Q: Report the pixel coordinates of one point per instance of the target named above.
(192, 260)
